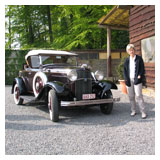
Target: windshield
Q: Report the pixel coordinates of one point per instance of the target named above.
(34, 61)
(59, 60)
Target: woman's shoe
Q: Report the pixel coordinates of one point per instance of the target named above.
(133, 113)
(144, 115)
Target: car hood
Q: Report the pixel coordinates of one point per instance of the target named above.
(63, 69)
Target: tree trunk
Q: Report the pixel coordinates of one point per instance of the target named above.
(31, 35)
(10, 39)
(49, 24)
(29, 25)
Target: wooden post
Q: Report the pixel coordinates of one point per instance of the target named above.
(108, 52)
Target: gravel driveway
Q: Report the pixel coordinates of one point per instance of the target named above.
(28, 130)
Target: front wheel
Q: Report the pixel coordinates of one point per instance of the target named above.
(107, 108)
(53, 106)
(17, 99)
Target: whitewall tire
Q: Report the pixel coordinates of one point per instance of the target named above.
(39, 80)
(53, 106)
(17, 99)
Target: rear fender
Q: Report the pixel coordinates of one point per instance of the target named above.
(21, 85)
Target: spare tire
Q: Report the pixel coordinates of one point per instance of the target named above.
(39, 80)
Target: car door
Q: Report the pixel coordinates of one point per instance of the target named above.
(28, 78)
(30, 72)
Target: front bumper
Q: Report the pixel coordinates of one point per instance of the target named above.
(89, 102)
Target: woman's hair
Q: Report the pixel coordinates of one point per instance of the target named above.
(129, 46)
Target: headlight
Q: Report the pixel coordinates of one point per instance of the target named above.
(99, 75)
(72, 75)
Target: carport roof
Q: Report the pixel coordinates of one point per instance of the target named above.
(117, 18)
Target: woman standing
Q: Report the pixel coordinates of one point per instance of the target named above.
(134, 75)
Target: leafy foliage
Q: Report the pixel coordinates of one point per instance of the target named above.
(59, 27)
(120, 68)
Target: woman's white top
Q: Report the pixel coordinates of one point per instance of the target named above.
(132, 66)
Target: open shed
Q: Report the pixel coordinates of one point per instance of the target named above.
(139, 20)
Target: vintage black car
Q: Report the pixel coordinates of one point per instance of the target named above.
(56, 78)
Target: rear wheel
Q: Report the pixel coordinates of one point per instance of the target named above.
(53, 106)
(107, 108)
(17, 99)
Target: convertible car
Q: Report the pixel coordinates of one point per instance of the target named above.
(56, 78)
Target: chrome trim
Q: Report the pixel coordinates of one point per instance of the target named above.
(79, 79)
(89, 102)
(93, 75)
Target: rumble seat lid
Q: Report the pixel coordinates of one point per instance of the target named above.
(48, 52)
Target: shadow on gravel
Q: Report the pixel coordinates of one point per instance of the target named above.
(28, 122)
(93, 116)
(24, 117)
(80, 116)
(28, 127)
(16, 122)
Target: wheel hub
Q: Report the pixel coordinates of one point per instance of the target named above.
(38, 84)
(17, 93)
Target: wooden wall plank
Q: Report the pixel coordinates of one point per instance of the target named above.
(145, 35)
(143, 24)
(143, 10)
(137, 8)
(141, 18)
(142, 31)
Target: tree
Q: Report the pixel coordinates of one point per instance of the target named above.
(8, 25)
(61, 27)
(78, 27)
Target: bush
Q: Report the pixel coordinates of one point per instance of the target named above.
(120, 68)
(14, 60)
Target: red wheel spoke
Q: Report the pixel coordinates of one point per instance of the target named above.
(38, 84)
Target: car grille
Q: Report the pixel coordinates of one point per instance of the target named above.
(83, 84)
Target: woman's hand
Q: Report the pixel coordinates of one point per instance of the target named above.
(139, 76)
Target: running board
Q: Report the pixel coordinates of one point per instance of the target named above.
(28, 98)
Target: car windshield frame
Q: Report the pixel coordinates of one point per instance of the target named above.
(60, 60)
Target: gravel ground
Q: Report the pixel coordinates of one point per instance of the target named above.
(28, 130)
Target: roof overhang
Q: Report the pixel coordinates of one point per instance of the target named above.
(117, 18)
(48, 52)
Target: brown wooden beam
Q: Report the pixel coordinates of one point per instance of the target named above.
(108, 52)
(125, 6)
(113, 27)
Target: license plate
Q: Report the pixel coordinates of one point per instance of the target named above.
(88, 96)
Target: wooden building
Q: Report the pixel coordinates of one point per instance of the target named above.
(142, 35)
(139, 20)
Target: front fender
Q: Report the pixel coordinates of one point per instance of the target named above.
(107, 85)
(57, 86)
(21, 85)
